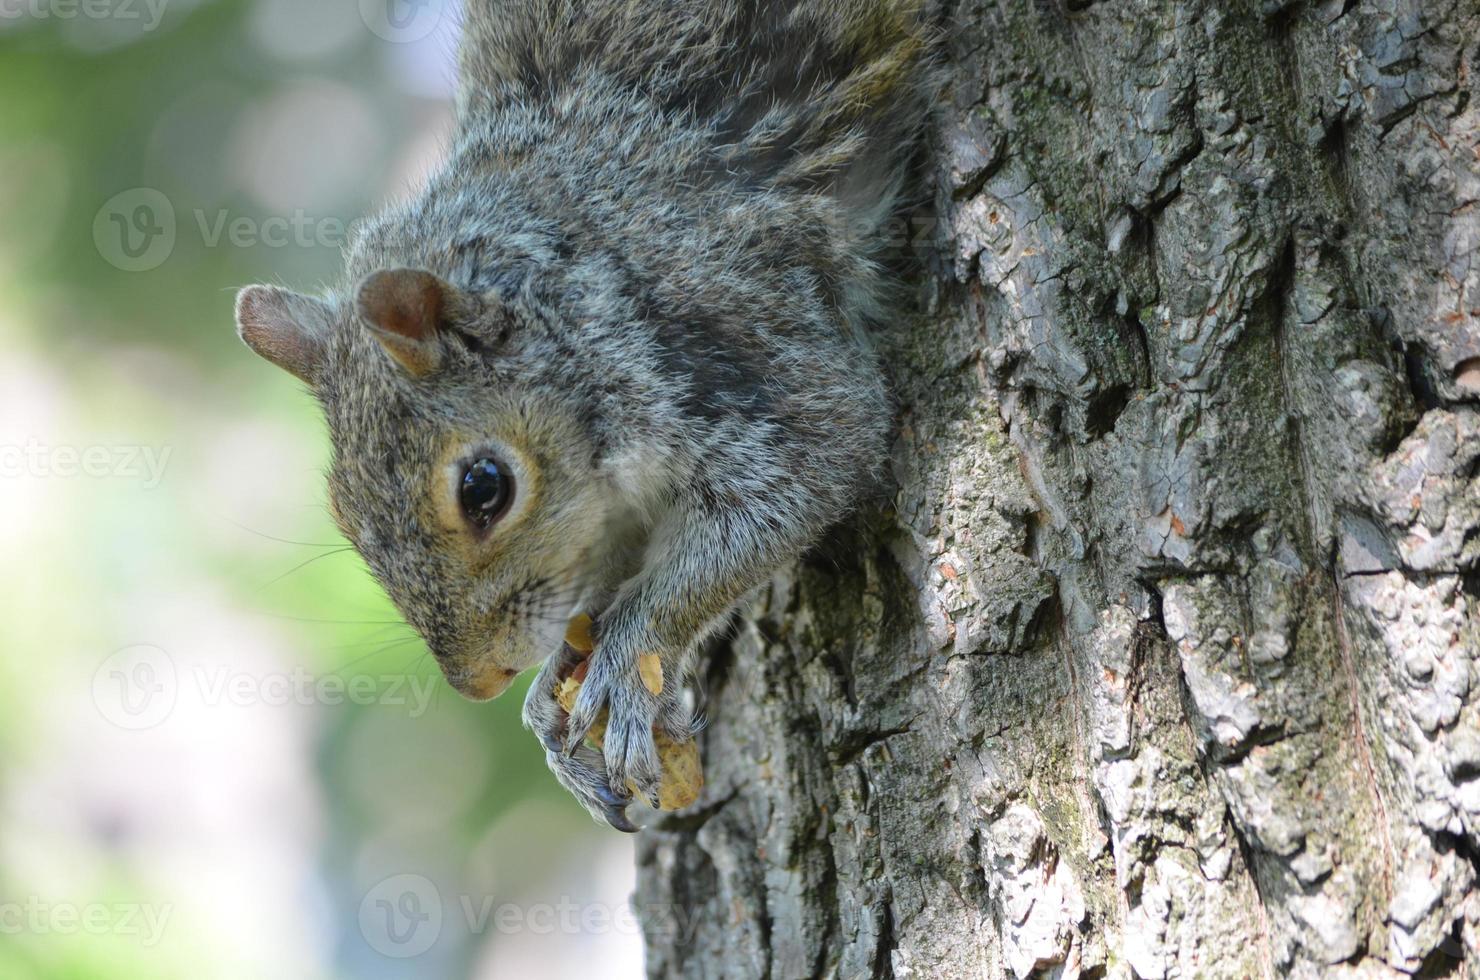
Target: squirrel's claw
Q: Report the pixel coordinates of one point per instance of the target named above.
(585, 778)
(611, 797)
(616, 817)
(583, 715)
(618, 820)
(571, 743)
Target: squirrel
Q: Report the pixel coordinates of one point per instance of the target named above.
(614, 360)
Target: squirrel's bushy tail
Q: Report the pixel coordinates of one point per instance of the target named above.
(806, 94)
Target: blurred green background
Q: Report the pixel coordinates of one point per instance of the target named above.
(223, 755)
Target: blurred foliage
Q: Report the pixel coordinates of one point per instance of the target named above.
(232, 551)
(161, 111)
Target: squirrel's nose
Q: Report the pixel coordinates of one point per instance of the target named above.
(481, 683)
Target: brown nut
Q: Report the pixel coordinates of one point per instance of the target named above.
(578, 635)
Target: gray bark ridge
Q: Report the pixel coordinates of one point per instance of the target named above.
(1163, 661)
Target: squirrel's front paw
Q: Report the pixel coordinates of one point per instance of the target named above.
(614, 726)
(583, 773)
(623, 698)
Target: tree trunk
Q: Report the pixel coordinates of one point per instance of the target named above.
(1163, 660)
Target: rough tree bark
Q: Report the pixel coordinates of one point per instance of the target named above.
(1163, 661)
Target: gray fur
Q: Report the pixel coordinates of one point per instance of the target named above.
(662, 222)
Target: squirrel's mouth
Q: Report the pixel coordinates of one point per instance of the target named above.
(481, 684)
(487, 674)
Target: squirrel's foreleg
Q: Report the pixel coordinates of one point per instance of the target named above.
(700, 563)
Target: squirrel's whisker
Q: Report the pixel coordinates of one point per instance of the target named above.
(304, 564)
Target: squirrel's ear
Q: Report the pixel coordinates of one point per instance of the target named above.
(404, 309)
(285, 327)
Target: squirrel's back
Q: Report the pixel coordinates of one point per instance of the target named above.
(692, 195)
(695, 193)
(792, 94)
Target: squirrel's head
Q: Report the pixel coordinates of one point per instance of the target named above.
(462, 473)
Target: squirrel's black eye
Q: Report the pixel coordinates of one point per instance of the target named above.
(486, 492)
